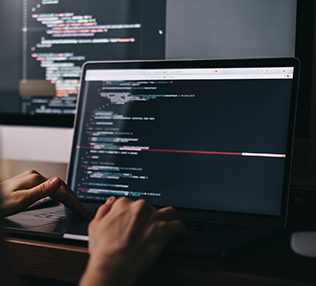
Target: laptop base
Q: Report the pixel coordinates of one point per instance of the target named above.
(59, 223)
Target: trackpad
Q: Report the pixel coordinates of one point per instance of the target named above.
(35, 218)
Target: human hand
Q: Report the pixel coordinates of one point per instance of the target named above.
(25, 189)
(125, 238)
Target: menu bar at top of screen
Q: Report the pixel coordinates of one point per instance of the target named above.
(190, 74)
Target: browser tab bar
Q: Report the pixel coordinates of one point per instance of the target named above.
(190, 74)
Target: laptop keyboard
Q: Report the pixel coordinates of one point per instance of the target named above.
(205, 227)
(192, 226)
(91, 216)
(210, 227)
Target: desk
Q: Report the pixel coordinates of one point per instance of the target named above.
(48, 260)
(268, 263)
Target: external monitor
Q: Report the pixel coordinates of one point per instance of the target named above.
(47, 41)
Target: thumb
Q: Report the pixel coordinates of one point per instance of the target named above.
(43, 190)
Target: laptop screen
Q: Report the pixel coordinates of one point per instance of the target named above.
(204, 138)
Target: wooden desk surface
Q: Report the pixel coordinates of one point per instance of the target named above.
(67, 263)
(48, 260)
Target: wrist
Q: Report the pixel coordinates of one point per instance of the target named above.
(108, 270)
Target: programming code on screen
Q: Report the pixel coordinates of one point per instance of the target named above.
(58, 36)
(190, 143)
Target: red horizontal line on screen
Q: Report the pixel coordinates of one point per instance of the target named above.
(243, 154)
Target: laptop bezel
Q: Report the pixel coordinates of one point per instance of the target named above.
(275, 62)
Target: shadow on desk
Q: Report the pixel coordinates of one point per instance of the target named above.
(26, 280)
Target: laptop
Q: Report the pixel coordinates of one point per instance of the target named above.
(211, 138)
